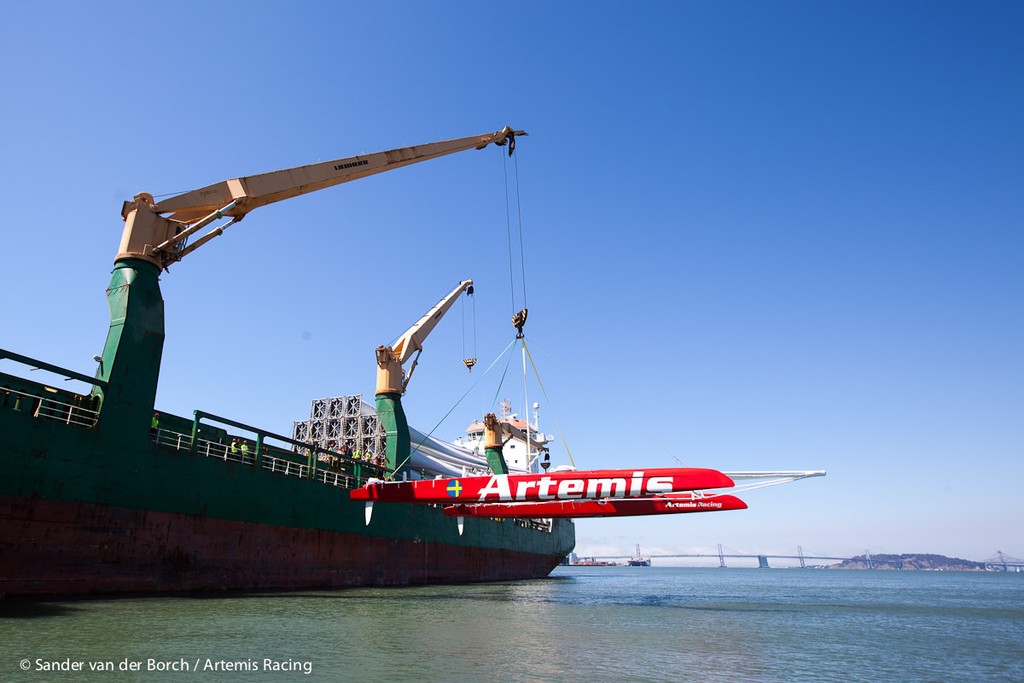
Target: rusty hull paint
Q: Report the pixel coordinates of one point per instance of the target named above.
(52, 547)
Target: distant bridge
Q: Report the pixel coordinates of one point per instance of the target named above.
(1004, 563)
(762, 559)
(998, 562)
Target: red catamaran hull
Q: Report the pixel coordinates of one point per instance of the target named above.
(574, 485)
(608, 507)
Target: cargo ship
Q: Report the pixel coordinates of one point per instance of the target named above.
(102, 493)
(638, 560)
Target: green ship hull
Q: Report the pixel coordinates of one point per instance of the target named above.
(85, 518)
(96, 500)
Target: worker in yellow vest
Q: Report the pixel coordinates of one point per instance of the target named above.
(357, 468)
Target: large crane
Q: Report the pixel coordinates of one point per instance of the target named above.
(162, 239)
(157, 234)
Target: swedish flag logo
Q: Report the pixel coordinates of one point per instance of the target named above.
(454, 488)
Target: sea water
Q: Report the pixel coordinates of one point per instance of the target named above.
(582, 623)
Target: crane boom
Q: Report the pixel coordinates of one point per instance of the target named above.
(160, 239)
(391, 358)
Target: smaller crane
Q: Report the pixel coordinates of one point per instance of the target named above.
(391, 378)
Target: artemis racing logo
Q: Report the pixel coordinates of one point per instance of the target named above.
(498, 488)
(694, 505)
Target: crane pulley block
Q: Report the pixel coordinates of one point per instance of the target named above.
(518, 320)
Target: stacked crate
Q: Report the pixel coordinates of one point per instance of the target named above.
(334, 422)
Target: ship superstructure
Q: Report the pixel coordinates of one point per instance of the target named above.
(524, 446)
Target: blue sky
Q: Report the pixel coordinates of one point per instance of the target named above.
(757, 235)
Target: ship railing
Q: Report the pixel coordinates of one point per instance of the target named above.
(210, 449)
(49, 408)
(281, 465)
(319, 463)
(175, 440)
(324, 476)
(286, 467)
(223, 451)
(330, 478)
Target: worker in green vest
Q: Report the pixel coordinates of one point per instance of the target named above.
(357, 468)
(154, 424)
(245, 448)
(234, 446)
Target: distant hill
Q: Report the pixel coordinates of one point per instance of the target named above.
(911, 561)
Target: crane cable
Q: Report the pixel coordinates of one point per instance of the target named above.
(508, 231)
(519, 216)
(415, 448)
(501, 382)
(519, 318)
(548, 399)
(468, 361)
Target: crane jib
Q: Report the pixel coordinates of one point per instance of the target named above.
(151, 228)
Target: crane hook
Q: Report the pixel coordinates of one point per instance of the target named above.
(518, 320)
